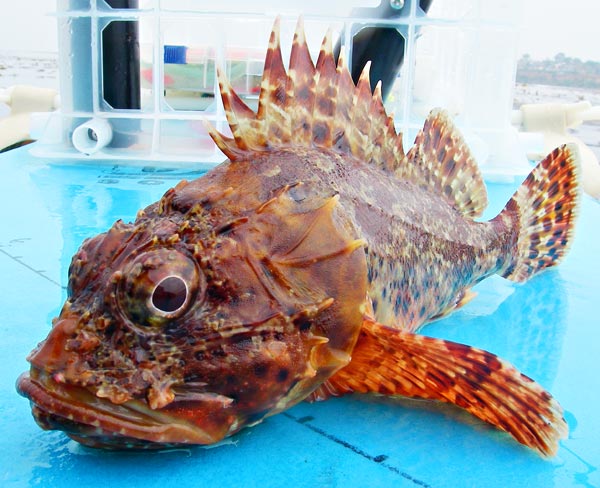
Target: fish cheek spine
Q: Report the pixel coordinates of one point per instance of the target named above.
(272, 317)
(280, 316)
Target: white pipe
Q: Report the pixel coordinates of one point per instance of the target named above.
(553, 121)
(92, 136)
(22, 102)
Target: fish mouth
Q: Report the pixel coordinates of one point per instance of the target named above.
(97, 422)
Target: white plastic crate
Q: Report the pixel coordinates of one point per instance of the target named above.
(460, 55)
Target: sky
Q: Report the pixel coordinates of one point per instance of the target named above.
(547, 27)
(552, 26)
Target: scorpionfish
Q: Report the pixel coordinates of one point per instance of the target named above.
(299, 269)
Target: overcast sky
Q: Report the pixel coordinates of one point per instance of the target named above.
(553, 26)
(549, 27)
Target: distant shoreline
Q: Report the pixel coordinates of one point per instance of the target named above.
(28, 68)
(560, 71)
(542, 93)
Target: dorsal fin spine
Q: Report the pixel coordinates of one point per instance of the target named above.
(441, 162)
(326, 94)
(321, 107)
(343, 106)
(300, 89)
(361, 123)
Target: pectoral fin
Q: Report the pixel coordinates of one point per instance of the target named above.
(395, 362)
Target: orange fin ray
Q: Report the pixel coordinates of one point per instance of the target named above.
(543, 209)
(224, 143)
(320, 106)
(395, 362)
(440, 160)
(241, 118)
(310, 106)
(300, 89)
(326, 94)
(343, 107)
(386, 146)
(271, 101)
(361, 122)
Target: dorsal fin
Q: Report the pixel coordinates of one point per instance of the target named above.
(300, 89)
(441, 161)
(272, 92)
(309, 106)
(343, 107)
(319, 106)
(326, 94)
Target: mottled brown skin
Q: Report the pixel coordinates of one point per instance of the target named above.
(276, 288)
(300, 268)
(418, 245)
(259, 334)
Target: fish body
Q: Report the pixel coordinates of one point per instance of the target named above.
(414, 238)
(300, 268)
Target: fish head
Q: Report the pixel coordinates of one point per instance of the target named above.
(199, 319)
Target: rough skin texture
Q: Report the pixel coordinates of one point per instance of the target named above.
(299, 269)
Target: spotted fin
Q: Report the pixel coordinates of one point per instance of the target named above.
(319, 106)
(309, 106)
(441, 161)
(395, 362)
(543, 210)
(273, 93)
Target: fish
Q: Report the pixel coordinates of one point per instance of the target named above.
(301, 268)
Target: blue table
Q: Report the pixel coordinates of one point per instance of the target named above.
(549, 328)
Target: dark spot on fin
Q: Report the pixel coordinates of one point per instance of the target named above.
(396, 362)
(543, 215)
(320, 107)
(441, 161)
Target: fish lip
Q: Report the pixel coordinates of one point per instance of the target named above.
(97, 422)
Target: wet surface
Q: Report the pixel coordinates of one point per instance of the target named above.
(547, 327)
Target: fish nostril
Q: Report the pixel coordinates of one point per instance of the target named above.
(170, 294)
(52, 353)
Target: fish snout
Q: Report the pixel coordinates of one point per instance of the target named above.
(52, 355)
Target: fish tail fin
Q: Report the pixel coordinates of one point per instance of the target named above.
(543, 210)
(396, 362)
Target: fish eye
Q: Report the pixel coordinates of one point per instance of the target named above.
(158, 286)
(170, 294)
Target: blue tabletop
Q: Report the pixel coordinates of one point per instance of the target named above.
(548, 328)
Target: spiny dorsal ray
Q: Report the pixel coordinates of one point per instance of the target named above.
(320, 107)
(306, 106)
